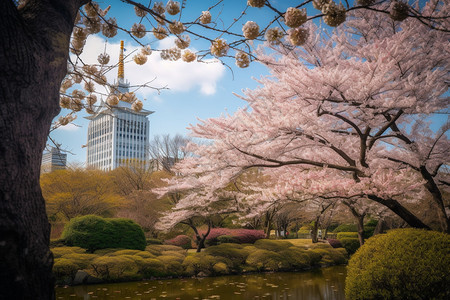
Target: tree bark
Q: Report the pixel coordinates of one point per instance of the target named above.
(431, 186)
(314, 232)
(400, 211)
(33, 60)
(359, 221)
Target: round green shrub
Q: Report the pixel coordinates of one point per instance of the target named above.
(272, 245)
(152, 267)
(220, 268)
(266, 260)
(402, 264)
(93, 232)
(346, 228)
(350, 244)
(172, 265)
(343, 235)
(64, 267)
(330, 256)
(199, 262)
(233, 255)
(61, 251)
(114, 267)
(297, 258)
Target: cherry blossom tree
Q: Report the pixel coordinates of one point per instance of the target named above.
(343, 116)
(38, 76)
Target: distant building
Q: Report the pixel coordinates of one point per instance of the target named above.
(53, 160)
(118, 135)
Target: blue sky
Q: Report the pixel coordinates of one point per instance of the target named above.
(195, 90)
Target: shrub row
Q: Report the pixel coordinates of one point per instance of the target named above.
(169, 260)
(226, 235)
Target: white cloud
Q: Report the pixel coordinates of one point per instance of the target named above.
(69, 127)
(178, 76)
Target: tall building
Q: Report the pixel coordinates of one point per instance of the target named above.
(53, 160)
(117, 134)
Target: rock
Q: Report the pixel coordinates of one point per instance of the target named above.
(80, 277)
(83, 277)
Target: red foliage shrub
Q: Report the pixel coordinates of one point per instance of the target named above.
(182, 241)
(334, 243)
(243, 236)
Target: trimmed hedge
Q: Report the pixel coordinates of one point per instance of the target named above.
(346, 228)
(402, 264)
(115, 264)
(350, 244)
(273, 245)
(93, 232)
(343, 235)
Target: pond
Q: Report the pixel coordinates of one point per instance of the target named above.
(325, 283)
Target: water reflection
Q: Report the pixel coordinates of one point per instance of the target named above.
(327, 283)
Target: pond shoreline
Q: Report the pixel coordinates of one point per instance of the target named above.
(315, 284)
(200, 277)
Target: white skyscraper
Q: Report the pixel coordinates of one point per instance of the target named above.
(52, 160)
(117, 134)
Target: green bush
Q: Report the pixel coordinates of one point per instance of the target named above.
(330, 256)
(221, 268)
(123, 252)
(266, 260)
(83, 261)
(199, 262)
(61, 251)
(115, 267)
(314, 257)
(343, 235)
(272, 245)
(93, 232)
(172, 264)
(402, 264)
(346, 228)
(297, 258)
(322, 246)
(180, 255)
(227, 239)
(350, 244)
(64, 267)
(234, 255)
(151, 241)
(152, 267)
(158, 249)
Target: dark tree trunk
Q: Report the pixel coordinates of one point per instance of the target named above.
(200, 238)
(431, 186)
(359, 221)
(400, 211)
(314, 232)
(33, 60)
(381, 227)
